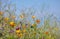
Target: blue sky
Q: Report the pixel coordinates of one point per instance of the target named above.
(50, 6)
(47, 6)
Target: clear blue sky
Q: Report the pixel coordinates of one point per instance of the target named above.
(50, 6)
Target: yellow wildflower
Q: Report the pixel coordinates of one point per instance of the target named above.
(24, 31)
(21, 35)
(21, 16)
(12, 24)
(6, 18)
(33, 17)
(18, 31)
(32, 24)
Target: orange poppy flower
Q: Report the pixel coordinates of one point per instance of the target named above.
(37, 21)
(1, 13)
(46, 33)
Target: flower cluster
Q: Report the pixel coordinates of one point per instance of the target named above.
(23, 29)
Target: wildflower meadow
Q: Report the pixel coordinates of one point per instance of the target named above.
(26, 26)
